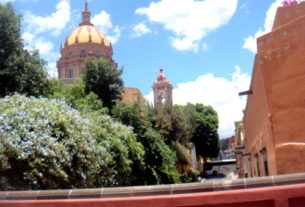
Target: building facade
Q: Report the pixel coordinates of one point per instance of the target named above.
(274, 117)
(162, 91)
(84, 42)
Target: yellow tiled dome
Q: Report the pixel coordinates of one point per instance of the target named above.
(87, 34)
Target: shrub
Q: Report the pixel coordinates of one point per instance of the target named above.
(46, 144)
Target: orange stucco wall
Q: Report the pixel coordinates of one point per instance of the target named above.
(275, 113)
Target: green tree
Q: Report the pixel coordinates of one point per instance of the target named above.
(160, 160)
(180, 130)
(74, 94)
(21, 70)
(205, 135)
(132, 114)
(162, 121)
(103, 79)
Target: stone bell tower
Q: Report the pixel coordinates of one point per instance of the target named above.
(162, 91)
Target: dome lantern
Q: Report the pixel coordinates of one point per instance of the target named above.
(161, 76)
(86, 14)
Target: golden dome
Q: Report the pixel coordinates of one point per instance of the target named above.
(87, 34)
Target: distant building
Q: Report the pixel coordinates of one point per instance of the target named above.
(130, 95)
(162, 91)
(86, 41)
(227, 149)
(274, 117)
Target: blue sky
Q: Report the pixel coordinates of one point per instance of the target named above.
(206, 47)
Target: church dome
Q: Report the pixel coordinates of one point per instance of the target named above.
(84, 42)
(87, 34)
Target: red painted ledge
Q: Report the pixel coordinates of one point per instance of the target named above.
(273, 191)
(278, 196)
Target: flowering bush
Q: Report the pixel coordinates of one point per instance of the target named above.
(44, 143)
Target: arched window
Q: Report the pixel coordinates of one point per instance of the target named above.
(70, 73)
(83, 52)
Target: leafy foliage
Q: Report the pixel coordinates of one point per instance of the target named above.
(160, 160)
(162, 121)
(181, 130)
(20, 70)
(103, 79)
(205, 136)
(132, 114)
(46, 144)
(74, 94)
(182, 153)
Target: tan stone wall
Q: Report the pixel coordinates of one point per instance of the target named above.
(285, 15)
(257, 127)
(275, 114)
(131, 95)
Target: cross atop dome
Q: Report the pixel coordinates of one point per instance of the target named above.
(289, 2)
(86, 16)
(86, 6)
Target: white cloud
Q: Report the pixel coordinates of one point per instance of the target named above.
(103, 22)
(45, 49)
(140, 30)
(52, 70)
(115, 36)
(189, 20)
(53, 23)
(220, 93)
(250, 42)
(32, 42)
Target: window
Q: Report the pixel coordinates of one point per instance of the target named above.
(83, 52)
(97, 52)
(257, 165)
(264, 156)
(70, 73)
